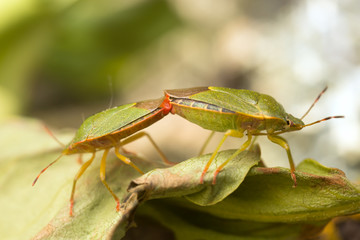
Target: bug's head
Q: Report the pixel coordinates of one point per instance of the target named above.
(69, 149)
(66, 151)
(293, 123)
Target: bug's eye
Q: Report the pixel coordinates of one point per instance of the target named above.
(289, 122)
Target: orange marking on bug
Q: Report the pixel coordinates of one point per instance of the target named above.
(202, 175)
(71, 207)
(215, 175)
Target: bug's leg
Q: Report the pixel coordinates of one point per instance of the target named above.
(242, 148)
(283, 143)
(79, 159)
(230, 132)
(126, 160)
(102, 178)
(77, 176)
(144, 134)
(253, 143)
(206, 143)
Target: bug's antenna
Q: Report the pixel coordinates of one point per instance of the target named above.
(322, 120)
(52, 135)
(316, 100)
(46, 168)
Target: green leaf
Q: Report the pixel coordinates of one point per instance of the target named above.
(262, 205)
(267, 195)
(228, 180)
(184, 178)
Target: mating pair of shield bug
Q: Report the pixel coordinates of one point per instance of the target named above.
(237, 112)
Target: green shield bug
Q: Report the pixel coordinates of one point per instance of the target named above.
(235, 111)
(106, 130)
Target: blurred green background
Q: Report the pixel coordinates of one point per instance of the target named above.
(63, 60)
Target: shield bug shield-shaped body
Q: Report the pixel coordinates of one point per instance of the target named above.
(237, 112)
(107, 129)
